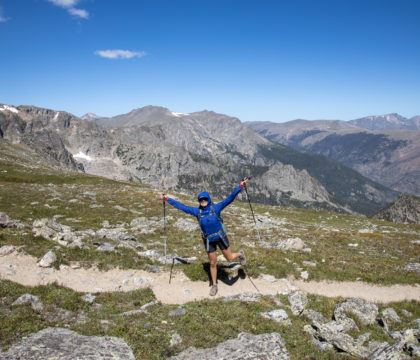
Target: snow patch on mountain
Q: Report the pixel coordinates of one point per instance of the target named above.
(82, 155)
(9, 108)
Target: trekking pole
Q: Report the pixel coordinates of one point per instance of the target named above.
(250, 206)
(252, 282)
(172, 266)
(164, 223)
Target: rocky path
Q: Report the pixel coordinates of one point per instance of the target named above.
(24, 270)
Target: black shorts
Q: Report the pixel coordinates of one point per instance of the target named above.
(221, 242)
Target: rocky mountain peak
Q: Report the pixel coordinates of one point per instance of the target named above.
(90, 116)
(406, 210)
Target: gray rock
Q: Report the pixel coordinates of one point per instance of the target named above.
(298, 302)
(106, 247)
(52, 230)
(89, 298)
(322, 345)
(389, 352)
(120, 208)
(413, 267)
(48, 259)
(114, 234)
(152, 268)
(278, 315)
(314, 316)
(7, 250)
(6, 221)
(63, 344)
(364, 311)
(288, 244)
(142, 309)
(177, 312)
(406, 313)
(330, 333)
(28, 299)
(246, 297)
(391, 315)
(176, 339)
(244, 347)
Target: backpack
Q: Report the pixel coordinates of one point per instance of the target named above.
(211, 213)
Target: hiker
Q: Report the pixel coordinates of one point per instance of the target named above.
(212, 228)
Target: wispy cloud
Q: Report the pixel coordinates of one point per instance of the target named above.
(119, 54)
(70, 6)
(82, 13)
(3, 18)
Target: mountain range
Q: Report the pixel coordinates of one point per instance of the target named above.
(191, 152)
(384, 148)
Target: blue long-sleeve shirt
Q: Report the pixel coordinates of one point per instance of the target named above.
(209, 223)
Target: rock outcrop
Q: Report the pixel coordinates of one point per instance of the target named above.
(405, 210)
(244, 347)
(63, 344)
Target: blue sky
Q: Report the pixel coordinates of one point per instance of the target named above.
(257, 60)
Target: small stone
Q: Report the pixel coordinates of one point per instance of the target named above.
(177, 312)
(175, 339)
(278, 315)
(48, 259)
(246, 297)
(304, 275)
(406, 313)
(6, 222)
(7, 250)
(106, 247)
(152, 268)
(89, 298)
(29, 299)
(413, 267)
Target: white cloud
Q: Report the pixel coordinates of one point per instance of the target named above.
(120, 54)
(79, 12)
(69, 5)
(64, 3)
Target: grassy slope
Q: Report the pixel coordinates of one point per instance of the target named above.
(25, 189)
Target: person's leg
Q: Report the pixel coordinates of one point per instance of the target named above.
(229, 255)
(213, 267)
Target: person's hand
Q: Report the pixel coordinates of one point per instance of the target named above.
(243, 183)
(163, 197)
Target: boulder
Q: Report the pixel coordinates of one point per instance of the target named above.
(288, 244)
(364, 311)
(246, 297)
(64, 344)
(6, 221)
(29, 299)
(245, 347)
(298, 302)
(390, 315)
(180, 311)
(7, 250)
(48, 259)
(278, 315)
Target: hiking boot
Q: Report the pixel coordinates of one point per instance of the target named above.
(213, 290)
(242, 258)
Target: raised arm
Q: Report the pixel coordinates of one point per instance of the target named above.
(185, 208)
(222, 204)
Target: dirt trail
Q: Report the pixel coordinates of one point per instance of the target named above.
(24, 270)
